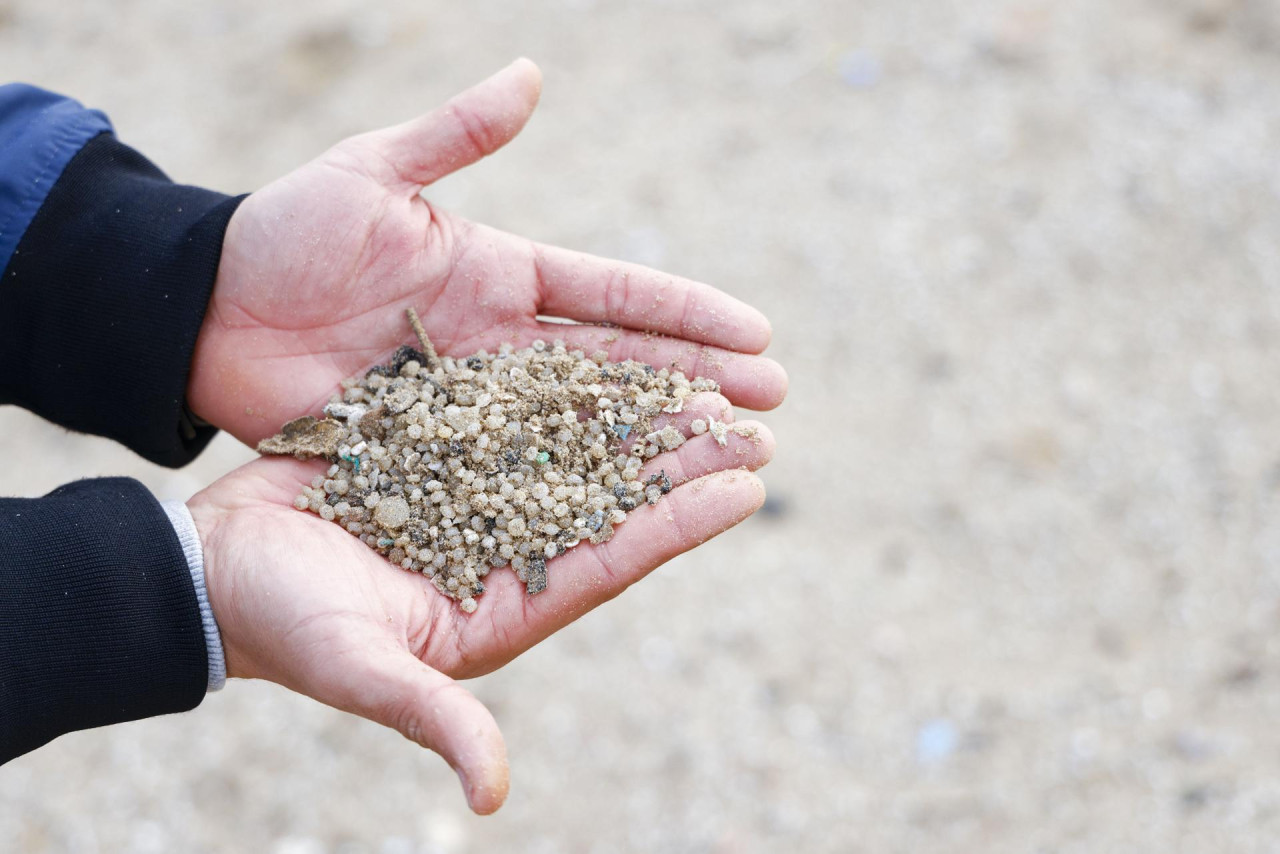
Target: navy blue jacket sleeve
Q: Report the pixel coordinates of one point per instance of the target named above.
(39, 134)
(107, 267)
(99, 621)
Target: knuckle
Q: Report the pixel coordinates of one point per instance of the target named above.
(687, 313)
(401, 713)
(474, 131)
(616, 295)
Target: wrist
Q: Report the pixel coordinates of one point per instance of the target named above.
(218, 592)
(210, 384)
(189, 539)
(204, 379)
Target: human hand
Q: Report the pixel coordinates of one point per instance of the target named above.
(318, 267)
(301, 602)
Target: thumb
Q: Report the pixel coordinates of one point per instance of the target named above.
(472, 125)
(429, 708)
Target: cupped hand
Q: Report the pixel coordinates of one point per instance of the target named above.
(301, 602)
(318, 267)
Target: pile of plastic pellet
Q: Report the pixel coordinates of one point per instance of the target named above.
(489, 461)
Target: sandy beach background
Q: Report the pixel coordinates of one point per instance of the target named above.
(1023, 264)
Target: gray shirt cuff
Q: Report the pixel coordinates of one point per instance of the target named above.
(185, 527)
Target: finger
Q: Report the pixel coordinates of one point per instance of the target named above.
(703, 405)
(587, 576)
(472, 125)
(594, 290)
(427, 707)
(700, 405)
(748, 445)
(754, 382)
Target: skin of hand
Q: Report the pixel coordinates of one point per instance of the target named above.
(301, 602)
(316, 272)
(318, 268)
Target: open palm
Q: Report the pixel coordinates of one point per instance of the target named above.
(318, 267)
(303, 603)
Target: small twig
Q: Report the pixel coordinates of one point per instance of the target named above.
(427, 350)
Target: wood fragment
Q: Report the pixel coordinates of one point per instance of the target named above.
(428, 350)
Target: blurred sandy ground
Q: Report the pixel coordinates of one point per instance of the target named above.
(1023, 262)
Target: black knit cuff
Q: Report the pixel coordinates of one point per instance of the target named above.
(104, 298)
(98, 615)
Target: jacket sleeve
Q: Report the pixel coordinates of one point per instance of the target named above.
(99, 616)
(106, 267)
